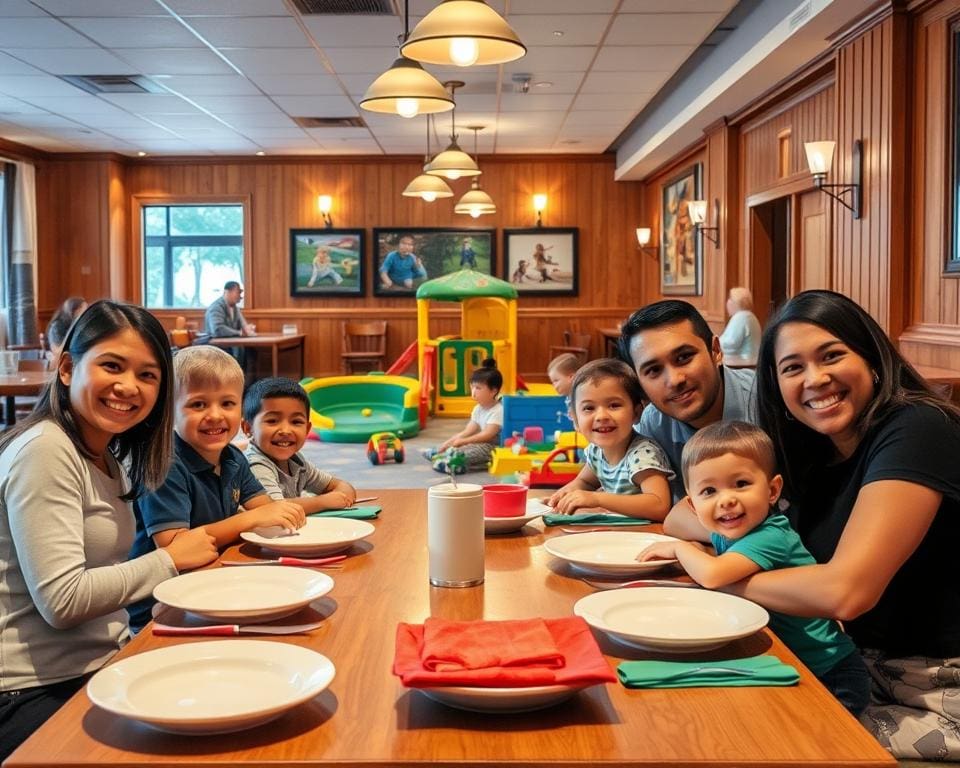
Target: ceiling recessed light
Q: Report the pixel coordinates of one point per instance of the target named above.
(260, 153)
(141, 153)
(543, 84)
(558, 33)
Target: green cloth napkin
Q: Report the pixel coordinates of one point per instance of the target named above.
(353, 513)
(593, 518)
(763, 671)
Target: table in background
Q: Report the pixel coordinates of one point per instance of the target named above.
(367, 718)
(276, 343)
(610, 338)
(20, 384)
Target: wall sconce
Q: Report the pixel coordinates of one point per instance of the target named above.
(698, 215)
(643, 242)
(539, 204)
(324, 203)
(820, 159)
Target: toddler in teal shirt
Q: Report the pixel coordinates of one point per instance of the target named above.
(728, 470)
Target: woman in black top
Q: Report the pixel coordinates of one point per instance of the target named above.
(871, 457)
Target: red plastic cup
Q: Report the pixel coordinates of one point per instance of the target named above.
(506, 500)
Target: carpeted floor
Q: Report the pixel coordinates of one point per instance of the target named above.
(349, 460)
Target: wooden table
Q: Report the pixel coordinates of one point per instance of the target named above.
(276, 343)
(610, 338)
(21, 384)
(366, 718)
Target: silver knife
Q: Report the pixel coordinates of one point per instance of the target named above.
(236, 629)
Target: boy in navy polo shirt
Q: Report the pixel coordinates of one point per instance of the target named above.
(209, 480)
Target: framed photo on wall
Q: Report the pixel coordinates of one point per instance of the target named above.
(326, 262)
(681, 254)
(403, 257)
(541, 260)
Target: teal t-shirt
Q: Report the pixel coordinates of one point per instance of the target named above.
(773, 544)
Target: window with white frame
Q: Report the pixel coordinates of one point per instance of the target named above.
(189, 252)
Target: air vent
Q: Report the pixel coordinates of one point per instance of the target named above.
(97, 84)
(345, 7)
(330, 122)
(799, 17)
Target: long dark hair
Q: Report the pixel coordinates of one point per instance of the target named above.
(146, 448)
(801, 449)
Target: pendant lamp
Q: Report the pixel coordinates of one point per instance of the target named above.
(453, 163)
(476, 202)
(464, 33)
(406, 89)
(427, 188)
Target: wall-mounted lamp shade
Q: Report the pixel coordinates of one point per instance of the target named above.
(820, 156)
(408, 90)
(698, 211)
(324, 203)
(427, 188)
(643, 236)
(476, 202)
(539, 202)
(464, 33)
(453, 163)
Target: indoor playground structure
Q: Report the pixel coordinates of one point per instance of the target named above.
(349, 409)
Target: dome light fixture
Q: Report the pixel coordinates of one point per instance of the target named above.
(453, 163)
(475, 202)
(427, 188)
(464, 33)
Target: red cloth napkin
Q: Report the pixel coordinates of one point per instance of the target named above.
(452, 645)
(583, 664)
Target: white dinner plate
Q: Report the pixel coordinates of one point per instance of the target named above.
(503, 700)
(212, 687)
(320, 536)
(675, 620)
(607, 552)
(244, 595)
(535, 509)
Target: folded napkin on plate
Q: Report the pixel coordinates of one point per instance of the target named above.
(594, 518)
(570, 638)
(353, 513)
(460, 645)
(753, 671)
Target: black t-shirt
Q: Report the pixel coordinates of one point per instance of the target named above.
(919, 613)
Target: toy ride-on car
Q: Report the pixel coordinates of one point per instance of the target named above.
(383, 446)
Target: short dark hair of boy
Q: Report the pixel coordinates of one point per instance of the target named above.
(657, 315)
(743, 440)
(272, 387)
(608, 368)
(567, 363)
(488, 374)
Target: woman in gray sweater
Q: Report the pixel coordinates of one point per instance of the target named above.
(100, 435)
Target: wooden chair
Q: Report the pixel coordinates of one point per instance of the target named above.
(577, 344)
(364, 346)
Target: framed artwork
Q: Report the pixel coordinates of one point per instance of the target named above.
(326, 262)
(403, 257)
(681, 252)
(541, 260)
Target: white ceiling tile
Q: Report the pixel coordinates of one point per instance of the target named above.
(209, 85)
(228, 7)
(623, 82)
(72, 61)
(327, 134)
(543, 61)
(140, 134)
(151, 103)
(559, 82)
(236, 105)
(344, 31)
(274, 134)
(82, 104)
(13, 8)
(40, 33)
(609, 118)
(420, 8)
(577, 29)
(260, 121)
(560, 6)
(275, 61)
(160, 145)
(159, 32)
(101, 7)
(371, 61)
(174, 61)
(611, 101)
(197, 122)
(9, 65)
(531, 102)
(319, 84)
(317, 106)
(251, 32)
(661, 29)
(637, 58)
(42, 120)
(109, 120)
(354, 148)
(16, 106)
(676, 6)
(230, 145)
(23, 86)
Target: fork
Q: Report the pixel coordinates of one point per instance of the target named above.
(640, 583)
